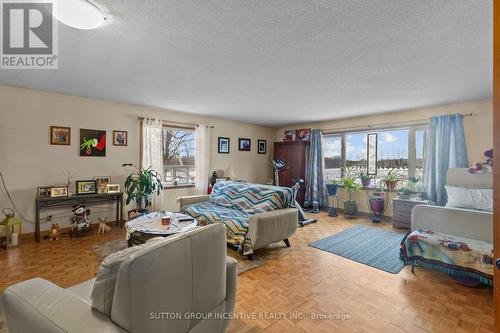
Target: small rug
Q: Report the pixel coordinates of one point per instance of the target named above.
(374, 247)
(104, 249)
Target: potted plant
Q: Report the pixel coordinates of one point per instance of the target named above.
(376, 203)
(332, 187)
(140, 186)
(350, 206)
(391, 179)
(364, 177)
(409, 190)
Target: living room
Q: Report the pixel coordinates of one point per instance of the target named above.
(190, 166)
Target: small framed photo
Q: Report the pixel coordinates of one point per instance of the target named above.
(43, 192)
(244, 144)
(59, 191)
(102, 183)
(60, 135)
(262, 146)
(224, 145)
(113, 188)
(120, 138)
(86, 187)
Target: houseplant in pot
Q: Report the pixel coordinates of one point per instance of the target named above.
(332, 187)
(350, 206)
(391, 179)
(409, 189)
(140, 185)
(364, 177)
(376, 203)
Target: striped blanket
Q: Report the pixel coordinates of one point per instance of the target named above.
(233, 204)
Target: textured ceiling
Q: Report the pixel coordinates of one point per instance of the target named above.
(277, 62)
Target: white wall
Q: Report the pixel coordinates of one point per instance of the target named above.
(27, 160)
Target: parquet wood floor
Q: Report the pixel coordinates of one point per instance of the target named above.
(295, 285)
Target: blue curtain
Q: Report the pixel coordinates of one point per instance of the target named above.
(315, 181)
(445, 149)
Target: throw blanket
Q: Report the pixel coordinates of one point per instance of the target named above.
(457, 256)
(234, 203)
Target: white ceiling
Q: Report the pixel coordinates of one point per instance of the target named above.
(277, 62)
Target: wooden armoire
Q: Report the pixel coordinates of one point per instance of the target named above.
(296, 155)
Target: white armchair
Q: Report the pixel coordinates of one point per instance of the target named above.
(182, 283)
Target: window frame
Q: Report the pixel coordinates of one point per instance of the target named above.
(168, 185)
(412, 144)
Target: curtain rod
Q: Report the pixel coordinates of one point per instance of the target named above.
(416, 122)
(174, 122)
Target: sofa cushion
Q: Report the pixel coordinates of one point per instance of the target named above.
(470, 198)
(251, 198)
(105, 281)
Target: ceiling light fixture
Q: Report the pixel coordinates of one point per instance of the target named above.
(79, 14)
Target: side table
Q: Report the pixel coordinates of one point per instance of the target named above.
(402, 208)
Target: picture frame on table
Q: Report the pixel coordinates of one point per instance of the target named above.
(43, 191)
(113, 188)
(60, 135)
(223, 145)
(59, 191)
(102, 183)
(86, 187)
(244, 144)
(261, 146)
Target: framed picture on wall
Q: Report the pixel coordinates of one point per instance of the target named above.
(60, 135)
(223, 145)
(244, 144)
(120, 138)
(92, 142)
(262, 146)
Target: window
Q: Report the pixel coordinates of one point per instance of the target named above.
(178, 156)
(401, 149)
(332, 150)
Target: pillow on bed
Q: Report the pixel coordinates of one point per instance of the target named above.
(470, 198)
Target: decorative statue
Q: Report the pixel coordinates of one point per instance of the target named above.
(54, 232)
(103, 227)
(80, 218)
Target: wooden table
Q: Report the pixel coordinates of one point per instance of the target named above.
(46, 203)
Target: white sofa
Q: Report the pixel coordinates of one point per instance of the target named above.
(468, 223)
(177, 284)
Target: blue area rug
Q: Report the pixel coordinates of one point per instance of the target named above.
(374, 247)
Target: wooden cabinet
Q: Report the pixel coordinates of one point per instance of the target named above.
(402, 211)
(296, 155)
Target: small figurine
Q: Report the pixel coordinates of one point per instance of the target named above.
(80, 218)
(54, 232)
(103, 227)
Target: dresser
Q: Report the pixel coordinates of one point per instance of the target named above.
(402, 210)
(296, 155)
